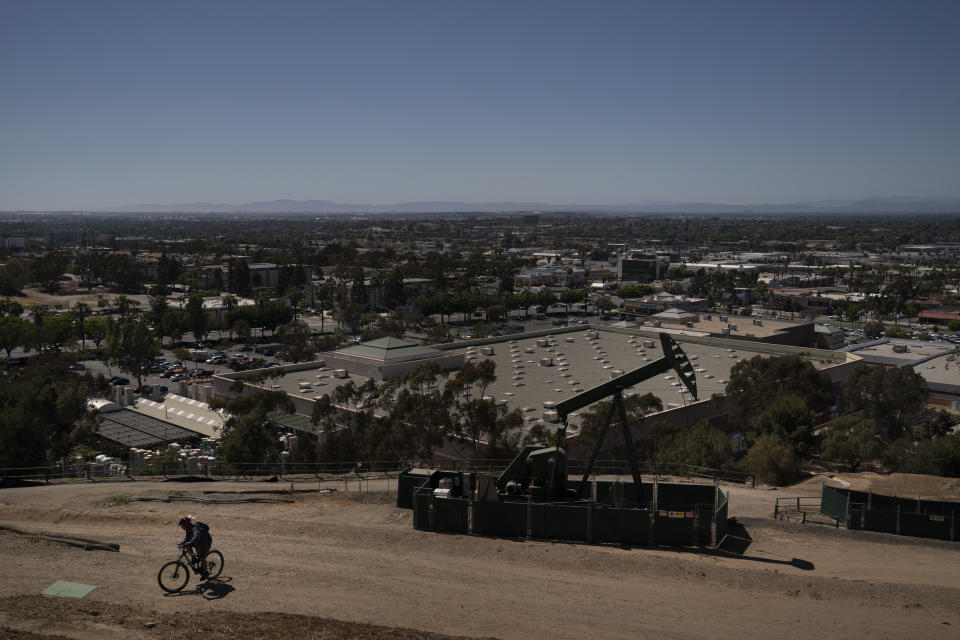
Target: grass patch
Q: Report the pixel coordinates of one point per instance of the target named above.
(175, 493)
(117, 501)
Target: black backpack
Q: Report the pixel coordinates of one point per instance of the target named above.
(201, 527)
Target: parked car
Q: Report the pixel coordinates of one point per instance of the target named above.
(144, 389)
(15, 361)
(245, 347)
(77, 366)
(117, 381)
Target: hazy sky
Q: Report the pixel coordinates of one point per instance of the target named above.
(113, 103)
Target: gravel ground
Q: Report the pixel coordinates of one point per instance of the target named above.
(356, 559)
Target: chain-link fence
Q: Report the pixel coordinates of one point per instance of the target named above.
(258, 470)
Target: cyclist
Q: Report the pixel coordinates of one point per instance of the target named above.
(197, 537)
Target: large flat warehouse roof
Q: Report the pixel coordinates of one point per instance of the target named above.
(579, 363)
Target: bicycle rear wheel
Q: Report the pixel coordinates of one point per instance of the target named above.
(173, 576)
(214, 564)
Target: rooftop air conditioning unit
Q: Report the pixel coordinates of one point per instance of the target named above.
(900, 348)
(723, 318)
(725, 331)
(340, 373)
(546, 362)
(551, 416)
(656, 323)
(487, 351)
(648, 344)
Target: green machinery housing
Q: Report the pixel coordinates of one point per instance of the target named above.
(535, 498)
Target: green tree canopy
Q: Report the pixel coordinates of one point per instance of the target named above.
(251, 433)
(851, 440)
(893, 397)
(756, 382)
(43, 413)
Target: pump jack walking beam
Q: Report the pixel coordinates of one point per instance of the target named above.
(673, 358)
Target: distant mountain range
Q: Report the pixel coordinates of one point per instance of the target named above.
(893, 204)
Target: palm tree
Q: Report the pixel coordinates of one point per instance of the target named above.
(80, 312)
(230, 303)
(123, 306)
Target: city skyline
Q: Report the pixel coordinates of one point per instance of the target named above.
(116, 104)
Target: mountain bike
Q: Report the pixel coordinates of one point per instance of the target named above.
(174, 575)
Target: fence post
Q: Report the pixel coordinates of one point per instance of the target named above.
(653, 514)
(713, 520)
(529, 516)
(470, 516)
(590, 521)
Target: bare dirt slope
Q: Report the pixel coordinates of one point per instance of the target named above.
(358, 559)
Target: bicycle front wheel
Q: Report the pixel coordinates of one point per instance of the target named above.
(214, 564)
(173, 576)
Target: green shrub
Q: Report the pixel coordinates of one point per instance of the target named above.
(117, 501)
(939, 457)
(773, 461)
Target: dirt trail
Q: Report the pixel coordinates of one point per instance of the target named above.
(359, 559)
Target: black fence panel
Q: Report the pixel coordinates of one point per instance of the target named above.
(926, 526)
(674, 527)
(833, 502)
(421, 511)
(704, 524)
(407, 483)
(623, 525)
(891, 514)
(507, 519)
(881, 520)
(559, 522)
(855, 515)
(450, 515)
(686, 494)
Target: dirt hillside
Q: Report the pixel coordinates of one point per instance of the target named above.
(346, 561)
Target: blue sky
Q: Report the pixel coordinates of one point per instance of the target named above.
(113, 103)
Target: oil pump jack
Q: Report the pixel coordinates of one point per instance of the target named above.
(541, 472)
